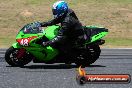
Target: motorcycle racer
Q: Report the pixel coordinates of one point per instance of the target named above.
(71, 27)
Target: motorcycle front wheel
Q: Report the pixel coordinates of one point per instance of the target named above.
(12, 59)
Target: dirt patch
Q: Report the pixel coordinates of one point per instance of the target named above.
(124, 9)
(129, 15)
(26, 13)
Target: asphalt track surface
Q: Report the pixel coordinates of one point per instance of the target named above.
(111, 61)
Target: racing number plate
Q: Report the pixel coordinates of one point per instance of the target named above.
(25, 41)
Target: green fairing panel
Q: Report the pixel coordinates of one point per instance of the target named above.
(19, 35)
(16, 45)
(51, 31)
(51, 53)
(98, 36)
(42, 53)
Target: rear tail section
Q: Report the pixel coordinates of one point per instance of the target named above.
(94, 33)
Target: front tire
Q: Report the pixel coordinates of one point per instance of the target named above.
(11, 58)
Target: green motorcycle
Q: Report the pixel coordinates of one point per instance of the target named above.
(28, 46)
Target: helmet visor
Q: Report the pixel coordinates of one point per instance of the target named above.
(54, 11)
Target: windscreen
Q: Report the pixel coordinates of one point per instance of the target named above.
(29, 29)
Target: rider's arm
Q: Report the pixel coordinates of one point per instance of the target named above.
(50, 23)
(62, 35)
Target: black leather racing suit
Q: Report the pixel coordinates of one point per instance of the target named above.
(71, 28)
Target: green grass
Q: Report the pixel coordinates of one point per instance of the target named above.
(119, 41)
(114, 14)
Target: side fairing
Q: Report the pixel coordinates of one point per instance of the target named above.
(41, 53)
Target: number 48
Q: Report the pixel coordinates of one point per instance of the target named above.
(24, 42)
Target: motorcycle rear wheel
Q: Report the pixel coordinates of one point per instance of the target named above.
(11, 58)
(89, 56)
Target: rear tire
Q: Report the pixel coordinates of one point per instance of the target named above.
(89, 56)
(11, 58)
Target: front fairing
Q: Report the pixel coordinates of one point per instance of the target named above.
(26, 35)
(29, 41)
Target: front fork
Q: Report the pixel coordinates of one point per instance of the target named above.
(21, 51)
